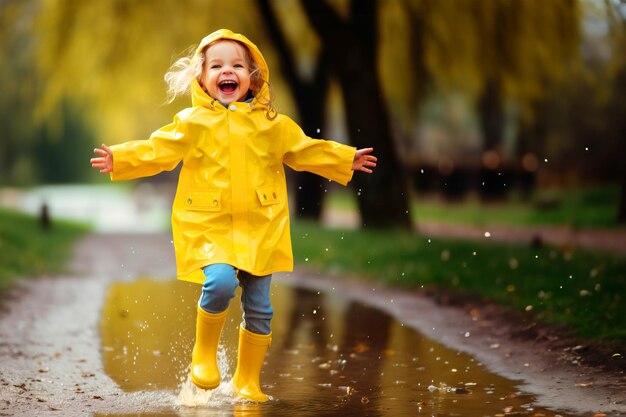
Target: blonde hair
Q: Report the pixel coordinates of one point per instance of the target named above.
(181, 74)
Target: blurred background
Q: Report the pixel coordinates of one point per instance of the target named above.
(466, 102)
(500, 128)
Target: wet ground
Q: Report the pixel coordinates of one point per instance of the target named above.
(329, 356)
(114, 339)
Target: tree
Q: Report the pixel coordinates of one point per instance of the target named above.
(501, 53)
(352, 46)
(617, 24)
(310, 94)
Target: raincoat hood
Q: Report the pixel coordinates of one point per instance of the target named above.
(199, 97)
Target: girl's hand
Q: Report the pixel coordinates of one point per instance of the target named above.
(363, 161)
(105, 161)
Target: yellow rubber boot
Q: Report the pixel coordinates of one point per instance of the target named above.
(250, 358)
(204, 371)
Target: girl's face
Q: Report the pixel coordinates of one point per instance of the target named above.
(226, 75)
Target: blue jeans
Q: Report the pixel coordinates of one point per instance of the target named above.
(220, 283)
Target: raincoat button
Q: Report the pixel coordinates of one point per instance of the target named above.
(264, 197)
(232, 107)
(189, 200)
(214, 203)
(274, 195)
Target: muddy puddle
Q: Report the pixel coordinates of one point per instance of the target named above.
(329, 357)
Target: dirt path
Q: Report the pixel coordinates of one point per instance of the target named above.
(50, 361)
(609, 240)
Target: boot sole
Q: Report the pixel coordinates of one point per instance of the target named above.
(204, 386)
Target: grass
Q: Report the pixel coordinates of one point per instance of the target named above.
(580, 289)
(590, 207)
(26, 250)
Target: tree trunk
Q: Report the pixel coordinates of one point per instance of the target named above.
(492, 124)
(491, 116)
(621, 208)
(620, 109)
(310, 98)
(352, 49)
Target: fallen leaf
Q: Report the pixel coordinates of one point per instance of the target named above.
(364, 399)
(360, 348)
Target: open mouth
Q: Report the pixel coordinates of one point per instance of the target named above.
(228, 86)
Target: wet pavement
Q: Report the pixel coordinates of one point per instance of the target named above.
(102, 341)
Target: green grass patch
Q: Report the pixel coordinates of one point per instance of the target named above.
(580, 289)
(590, 207)
(26, 250)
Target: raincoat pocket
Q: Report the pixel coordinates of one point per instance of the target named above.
(267, 196)
(205, 200)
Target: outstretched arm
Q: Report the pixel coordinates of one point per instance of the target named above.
(105, 161)
(363, 161)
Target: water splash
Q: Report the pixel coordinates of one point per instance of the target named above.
(224, 394)
(192, 396)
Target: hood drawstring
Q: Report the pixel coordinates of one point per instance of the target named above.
(271, 113)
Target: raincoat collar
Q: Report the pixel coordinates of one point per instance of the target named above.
(200, 98)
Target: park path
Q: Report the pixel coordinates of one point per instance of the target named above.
(607, 240)
(50, 360)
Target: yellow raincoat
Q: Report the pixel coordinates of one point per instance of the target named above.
(231, 201)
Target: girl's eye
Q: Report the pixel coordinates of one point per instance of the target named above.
(215, 66)
(238, 66)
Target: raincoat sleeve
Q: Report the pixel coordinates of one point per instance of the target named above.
(327, 158)
(164, 149)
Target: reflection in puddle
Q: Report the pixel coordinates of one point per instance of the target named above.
(328, 357)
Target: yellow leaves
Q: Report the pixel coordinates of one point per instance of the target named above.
(520, 45)
(110, 56)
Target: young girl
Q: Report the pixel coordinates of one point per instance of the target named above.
(230, 219)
